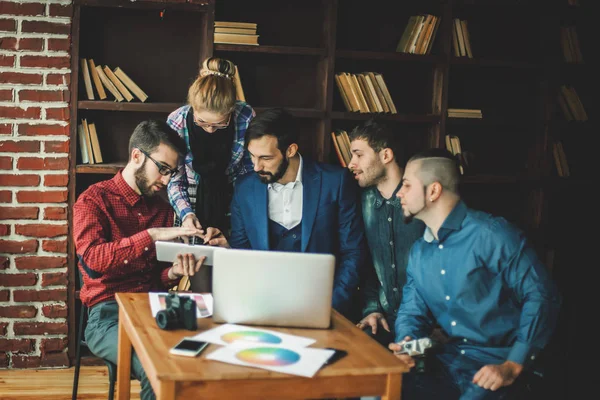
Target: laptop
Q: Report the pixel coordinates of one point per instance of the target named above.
(273, 288)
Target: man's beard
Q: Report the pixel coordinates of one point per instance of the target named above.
(409, 218)
(267, 177)
(141, 180)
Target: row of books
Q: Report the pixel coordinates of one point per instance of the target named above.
(341, 143)
(560, 159)
(461, 41)
(571, 104)
(236, 33)
(365, 93)
(115, 81)
(570, 45)
(453, 146)
(419, 34)
(464, 113)
(89, 146)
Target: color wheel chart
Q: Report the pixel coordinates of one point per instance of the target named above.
(268, 356)
(251, 336)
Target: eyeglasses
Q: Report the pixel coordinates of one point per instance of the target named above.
(162, 168)
(203, 124)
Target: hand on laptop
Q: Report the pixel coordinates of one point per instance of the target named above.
(214, 237)
(185, 265)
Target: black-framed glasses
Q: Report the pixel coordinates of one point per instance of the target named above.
(204, 124)
(163, 169)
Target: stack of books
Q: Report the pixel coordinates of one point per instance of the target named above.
(464, 113)
(115, 81)
(88, 143)
(236, 33)
(461, 42)
(365, 93)
(453, 146)
(570, 45)
(419, 34)
(571, 104)
(560, 159)
(341, 143)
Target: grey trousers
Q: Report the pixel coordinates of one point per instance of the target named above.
(102, 334)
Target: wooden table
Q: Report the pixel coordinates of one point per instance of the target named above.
(368, 369)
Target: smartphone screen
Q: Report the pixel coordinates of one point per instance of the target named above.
(188, 347)
(336, 356)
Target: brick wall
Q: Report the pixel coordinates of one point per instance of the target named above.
(34, 146)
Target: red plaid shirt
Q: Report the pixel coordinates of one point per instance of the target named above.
(115, 251)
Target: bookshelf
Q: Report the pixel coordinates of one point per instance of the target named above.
(513, 78)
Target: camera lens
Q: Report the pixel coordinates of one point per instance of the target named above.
(167, 319)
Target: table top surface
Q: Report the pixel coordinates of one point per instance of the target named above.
(152, 344)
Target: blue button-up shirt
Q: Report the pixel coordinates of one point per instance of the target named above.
(484, 285)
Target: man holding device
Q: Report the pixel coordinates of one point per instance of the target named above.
(115, 225)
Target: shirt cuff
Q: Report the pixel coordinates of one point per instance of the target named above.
(184, 213)
(523, 353)
(164, 277)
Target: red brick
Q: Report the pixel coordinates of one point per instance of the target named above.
(44, 95)
(54, 344)
(5, 129)
(20, 78)
(30, 130)
(5, 195)
(44, 61)
(16, 345)
(41, 230)
(54, 279)
(19, 246)
(45, 27)
(60, 10)
(40, 262)
(3, 356)
(60, 114)
(39, 295)
(21, 361)
(54, 246)
(6, 163)
(8, 25)
(18, 312)
(58, 79)
(18, 112)
(6, 94)
(4, 295)
(55, 311)
(3, 326)
(59, 196)
(32, 44)
(55, 213)
(8, 43)
(40, 328)
(7, 61)
(22, 146)
(21, 9)
(57, 147)
(19, 212)
(19, 279)
(34, 163)
(59, 44)
(19, 180)
(55, 360)
(4, 262)
(56, 180)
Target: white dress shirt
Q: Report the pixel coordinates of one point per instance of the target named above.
(285, 201)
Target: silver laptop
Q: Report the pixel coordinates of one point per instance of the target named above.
(273, 288)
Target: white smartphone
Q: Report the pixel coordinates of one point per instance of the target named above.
(168, 251)
(188, 347)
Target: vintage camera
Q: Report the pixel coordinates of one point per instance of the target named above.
(418, 348)
(180, 313)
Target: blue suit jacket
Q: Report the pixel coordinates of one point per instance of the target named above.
(331, 222)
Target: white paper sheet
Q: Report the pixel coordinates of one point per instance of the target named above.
(204, 303)
(301, 361)
(229, 333)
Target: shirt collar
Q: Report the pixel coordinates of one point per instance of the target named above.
(453, 222)
(278, 186)
(128, 193)
(394, 201)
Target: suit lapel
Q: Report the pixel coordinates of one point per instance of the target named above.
(311, 192)
(261, 216)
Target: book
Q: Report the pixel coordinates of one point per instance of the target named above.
(386, 93)
(344, 139)
(113, 78)
(460, 37)
(403, 42)
(241, 31)
(379, 92)
(343, 94)
(88, 141)
(467, 40)
(232, 24)
(364, 107)
(371, 87)
(422, 38)
(96, 79)
(87, 80)
(95, 142)
(336, 146)
(433, 35)
(82, 144)
(232, 38)
(127, 81)
(109, 85)
(352, 96)
(366, 92)
(239, 90)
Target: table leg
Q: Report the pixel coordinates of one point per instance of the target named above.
(166, 390)
(394, 387)
(123, 361)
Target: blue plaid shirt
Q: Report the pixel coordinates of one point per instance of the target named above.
(239, 164)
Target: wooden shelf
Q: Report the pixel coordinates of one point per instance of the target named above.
(159, 5)
(297, 112)
(111, 168)
(287, 50)
(425, 118)
(389, 56)
(491, 63)
(107, 105)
